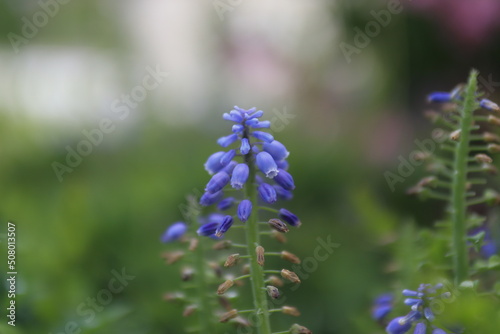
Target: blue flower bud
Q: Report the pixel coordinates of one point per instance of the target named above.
(420, 328)
(245, 146)
(240, 176)
(227, 157)
(382, 306)
(237, 128)
(251, 121)
(267, 193)
(244, 112)
(224, 226)
(244, 210)
(411, 301)
(428, 314)
(379, 312)
(289, 218)
(208, 229)
(264, 136)
(227, 140)
(276, 149)
(398, 326)
(284, 179)
(384, 299)
(411, 293)
(266, 164)
(283, 193)
(439, 97)
(213, 165)
(217, 182)
(209, 198)
(230, 167)
(489, 105)
(438, 331)
(233, 117)
(261, 125)
(283, 164)
(174, 232)
(256, 114)
(226, 203)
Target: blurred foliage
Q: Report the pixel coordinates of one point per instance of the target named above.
(109, 213)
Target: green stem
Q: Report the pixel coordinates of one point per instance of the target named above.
(204, 313)
(262, 324)
(458, 196)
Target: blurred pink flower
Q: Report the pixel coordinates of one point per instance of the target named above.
(467, 22)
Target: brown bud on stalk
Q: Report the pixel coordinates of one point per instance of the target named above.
(290, 275)
(493, 148)
(298, 329)
(225, 286)
(432, 115)
(483, 158)
(225, 303)
(455, 135)
(276, 281)
(490, 137)
(489, 168)
(229, 315)
(290, 257)
(216, 268)
(259, 250)
(232, 260)
(189, 310)
(172, 257)
(278, 236)
(193, 244)
(225, 244)
(173, 297)
(187, 274)
(278, 225)
(493, 120)
(290, 310)
(273, 292)
(246, 269)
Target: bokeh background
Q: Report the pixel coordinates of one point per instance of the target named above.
(350, 117)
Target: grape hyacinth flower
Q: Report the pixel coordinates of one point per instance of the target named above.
(382, 306)
(174, 232)
(421, 313)
(255, 172)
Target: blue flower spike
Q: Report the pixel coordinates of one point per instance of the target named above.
(251, 155)
(421, 314)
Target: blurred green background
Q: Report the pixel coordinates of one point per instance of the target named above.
(349, 121)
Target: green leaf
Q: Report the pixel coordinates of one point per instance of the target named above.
(494, 262)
